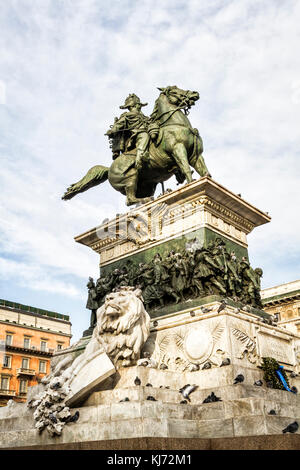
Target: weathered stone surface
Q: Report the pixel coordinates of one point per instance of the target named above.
(94, 372)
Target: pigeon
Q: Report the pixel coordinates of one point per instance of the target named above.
(225, 362)
(149, 385)
(143, 363)
(48, 404)
(124, 399)
(151, 398)
(192, 313)
(194, 367)
(239, 379)
(211, 398)
(187, 390)
(155, 323)
(222, 306)
(207, 365)
(183, 402)
(163, 366)
(293, 427)
(137, 381)
(52, 418)
(272, 412)
(74, 418)
(294, 389)
(167, 386)
(293, 375)
(205, 309)
(258, 383)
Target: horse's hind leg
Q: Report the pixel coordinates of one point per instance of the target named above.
(180, 156)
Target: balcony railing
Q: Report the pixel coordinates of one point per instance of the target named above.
(31, 348)
(23, 371)
(7, 393)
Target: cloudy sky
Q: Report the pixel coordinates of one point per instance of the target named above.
(66, 67)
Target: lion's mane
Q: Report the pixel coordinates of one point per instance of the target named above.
(123, 326)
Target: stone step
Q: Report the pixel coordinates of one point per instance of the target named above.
(244, 417)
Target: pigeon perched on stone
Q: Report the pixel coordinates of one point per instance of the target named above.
(239, 379)
(187, 390)
(143, 363)
(52, 418)
(192, 313)
(205, 309)
(137, 381)
(211, 398)
(124, 399)
(150, 398)
(293, 427)
(258, 383)
(149, 385)
(194, 367)
(73, 418)
(163, 366)
(222, 306)
(272, 412)
(294, 389)
(183, 402)
(293, 375)
(207, 365)
(225, 362)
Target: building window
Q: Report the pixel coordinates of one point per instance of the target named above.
(26, 343)
(25, 363)
(7, 361)
(59, 346)
(4, 385)
(9, 339)
(43, 367)
(43, 345)
(23, 386)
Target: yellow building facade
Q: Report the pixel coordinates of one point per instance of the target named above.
(284, 302)
(28, 338)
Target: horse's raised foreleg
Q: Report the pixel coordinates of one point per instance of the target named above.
(180, 156)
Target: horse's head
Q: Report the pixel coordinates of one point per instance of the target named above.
(178, 97)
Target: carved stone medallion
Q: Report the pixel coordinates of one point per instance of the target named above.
(198, 345)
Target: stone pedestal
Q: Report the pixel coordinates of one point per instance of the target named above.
(183, 220)
(202, 209)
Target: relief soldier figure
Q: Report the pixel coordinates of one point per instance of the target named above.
(92, 303)
(198, 272)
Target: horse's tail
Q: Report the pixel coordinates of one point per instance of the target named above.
(96, 175)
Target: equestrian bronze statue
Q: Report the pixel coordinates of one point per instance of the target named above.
(149, 150)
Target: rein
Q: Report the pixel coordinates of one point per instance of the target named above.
(172, 111)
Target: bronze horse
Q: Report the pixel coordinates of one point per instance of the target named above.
(176, 146)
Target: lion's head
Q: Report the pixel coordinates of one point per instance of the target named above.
(123, 325)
